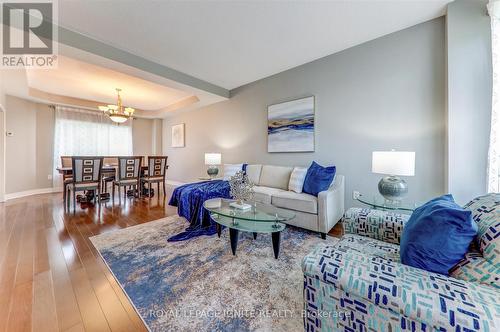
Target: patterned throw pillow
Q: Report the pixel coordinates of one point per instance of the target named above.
(297, 179)
(486, 213)
(475, 268)
(231, 169)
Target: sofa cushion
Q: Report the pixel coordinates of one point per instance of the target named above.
(437, 236)
(486, 213)
(264, 194)
(293, 201)
(253, 173)
(297, 178)
(275, 176)
(475, 268)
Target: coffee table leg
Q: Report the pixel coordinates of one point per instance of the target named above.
(276, 243)
(233, 236)
(255, 236)
(219, 228)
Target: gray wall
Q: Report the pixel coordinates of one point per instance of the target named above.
(146, 137)
(387, 93)
(469, 97)
(29, 152)
(2, 138)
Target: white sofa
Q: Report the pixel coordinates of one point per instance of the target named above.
(318, 214)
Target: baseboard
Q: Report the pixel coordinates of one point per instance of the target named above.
(55, 190)
(32, 192)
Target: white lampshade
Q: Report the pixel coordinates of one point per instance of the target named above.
(400, 163)
(212, 158)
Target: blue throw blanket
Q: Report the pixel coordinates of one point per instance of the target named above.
(189, 201)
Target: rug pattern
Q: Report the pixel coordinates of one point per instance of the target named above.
(198, 285)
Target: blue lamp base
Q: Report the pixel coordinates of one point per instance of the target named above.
(393, 188)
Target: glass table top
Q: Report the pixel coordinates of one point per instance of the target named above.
(258, 212)
(384, 204)
(260, 218)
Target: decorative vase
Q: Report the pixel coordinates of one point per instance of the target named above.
(212, 171)
(393, 188)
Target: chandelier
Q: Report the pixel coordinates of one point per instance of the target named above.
(118, 113)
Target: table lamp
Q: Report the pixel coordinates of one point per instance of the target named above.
(394, 164)
(212, 160)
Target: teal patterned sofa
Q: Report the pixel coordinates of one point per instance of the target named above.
(359, 283)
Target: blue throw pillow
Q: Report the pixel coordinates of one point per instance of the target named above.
(437, 236)
(318, 179)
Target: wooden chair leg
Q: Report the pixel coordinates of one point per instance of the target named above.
(125, 193)
(68, 199)
(119, 195)
(158, 189)
(113, 193)
(164, 191)
(150, 189)
(74, 200)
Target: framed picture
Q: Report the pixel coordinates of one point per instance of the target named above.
(290, 126)
(178, 136)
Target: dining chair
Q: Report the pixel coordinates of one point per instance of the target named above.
(108, 177)
(86, 176)
(157, 169)
(128, 175)
(67, 178)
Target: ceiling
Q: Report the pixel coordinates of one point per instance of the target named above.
(77, 79)
(230, 44)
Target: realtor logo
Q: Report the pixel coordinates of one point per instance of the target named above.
(28, 34)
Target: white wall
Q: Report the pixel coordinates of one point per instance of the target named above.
(387, 93)
(469, 97)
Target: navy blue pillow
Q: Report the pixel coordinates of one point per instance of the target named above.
(318, 178)
(437, 235)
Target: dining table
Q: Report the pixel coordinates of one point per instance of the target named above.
(107, 170)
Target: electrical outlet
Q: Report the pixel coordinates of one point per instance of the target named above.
(356, 194)
(49, 177)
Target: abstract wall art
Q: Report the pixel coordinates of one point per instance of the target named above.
(290, 126)
(178, 136)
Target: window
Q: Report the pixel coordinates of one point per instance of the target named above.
(494, 148)
(86, 133)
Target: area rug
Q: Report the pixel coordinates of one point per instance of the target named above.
(198, 285)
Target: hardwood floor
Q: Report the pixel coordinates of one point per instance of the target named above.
(52, 278)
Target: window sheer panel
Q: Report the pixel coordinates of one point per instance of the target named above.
(86, 133)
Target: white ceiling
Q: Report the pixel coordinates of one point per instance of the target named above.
(77, 79)
(233, 43)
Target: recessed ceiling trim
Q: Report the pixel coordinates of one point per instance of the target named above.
(82, 42)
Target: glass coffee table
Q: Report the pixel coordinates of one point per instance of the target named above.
(378, 202)
(260, 218)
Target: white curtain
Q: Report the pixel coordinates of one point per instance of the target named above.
(494, 148)
(85, 133)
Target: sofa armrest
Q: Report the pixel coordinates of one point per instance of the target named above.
(385, 226)
(430, 298)
(331, 205)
